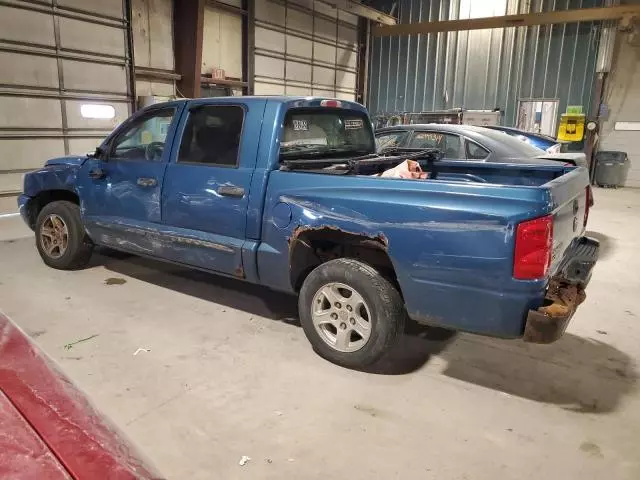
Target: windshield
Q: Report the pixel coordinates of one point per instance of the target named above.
(325, 132)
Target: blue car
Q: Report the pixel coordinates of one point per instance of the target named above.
(543, 142)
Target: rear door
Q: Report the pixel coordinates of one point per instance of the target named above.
(206, 188)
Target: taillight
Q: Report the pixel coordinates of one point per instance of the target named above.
(588, 203)
(534, 244)
(331, 103)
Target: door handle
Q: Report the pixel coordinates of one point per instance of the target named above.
(97, 173)
(231, 191)
(147, 182)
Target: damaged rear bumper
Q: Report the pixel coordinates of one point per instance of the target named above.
(565, 292)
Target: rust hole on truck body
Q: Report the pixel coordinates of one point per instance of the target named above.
(364, 238)
(312, 246)
(239, 271)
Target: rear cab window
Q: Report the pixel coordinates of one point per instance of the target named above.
(320, 132)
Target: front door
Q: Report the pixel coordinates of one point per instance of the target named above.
(120, 192)
(206, 189)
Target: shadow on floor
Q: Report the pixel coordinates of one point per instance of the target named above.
(253, 299)
(579, 374)
(413, 350)
(607, 244)
(410, 354)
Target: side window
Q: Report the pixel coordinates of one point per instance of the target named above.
(144, 139)
(475, 151)
(212, 136)
(389, 140)
(449, 144)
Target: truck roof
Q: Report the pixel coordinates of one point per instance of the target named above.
(308, 101)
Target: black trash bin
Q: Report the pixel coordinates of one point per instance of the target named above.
(611, 169)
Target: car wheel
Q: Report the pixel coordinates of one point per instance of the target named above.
(350, 313)
(60, 236)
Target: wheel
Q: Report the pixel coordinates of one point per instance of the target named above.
(350, 313)
(60, 236)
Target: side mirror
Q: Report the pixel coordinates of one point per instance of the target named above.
(97, 153)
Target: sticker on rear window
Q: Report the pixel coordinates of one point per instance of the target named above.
(430, 137)
(353, 124)
(300, 125)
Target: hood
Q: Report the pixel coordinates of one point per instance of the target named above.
(73, 160)
(580, 159)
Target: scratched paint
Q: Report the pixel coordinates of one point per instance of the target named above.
(23, 454)
(84, 441)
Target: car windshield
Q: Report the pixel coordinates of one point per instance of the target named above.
(326, 132)
(520, 148)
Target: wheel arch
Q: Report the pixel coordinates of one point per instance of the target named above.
(310, 247)
(45, 197)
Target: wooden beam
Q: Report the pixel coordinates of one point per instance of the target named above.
(188, 24)
(249, 45)
(542, 18)
(364, 36)
(226, 82)
(156, 73)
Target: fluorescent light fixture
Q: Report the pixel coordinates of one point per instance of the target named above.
(97, 110)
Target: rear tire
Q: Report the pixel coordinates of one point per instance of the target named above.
(350, 313)
(60, 236)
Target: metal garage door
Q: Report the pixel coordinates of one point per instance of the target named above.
(64, 83)
(305, 48)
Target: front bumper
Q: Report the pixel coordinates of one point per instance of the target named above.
(23, 208)
(565, 292)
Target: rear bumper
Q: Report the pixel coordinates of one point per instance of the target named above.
(565, 292)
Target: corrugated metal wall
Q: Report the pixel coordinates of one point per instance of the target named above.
(483, 69)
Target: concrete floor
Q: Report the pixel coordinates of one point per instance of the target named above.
(12, 227)
(229, 375)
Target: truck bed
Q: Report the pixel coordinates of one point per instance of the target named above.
(451, 238)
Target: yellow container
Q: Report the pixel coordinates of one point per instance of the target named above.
(571, 127)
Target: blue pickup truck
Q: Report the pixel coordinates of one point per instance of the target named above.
(289, 193)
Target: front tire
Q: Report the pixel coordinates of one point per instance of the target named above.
(350, 313)
(60, 237)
